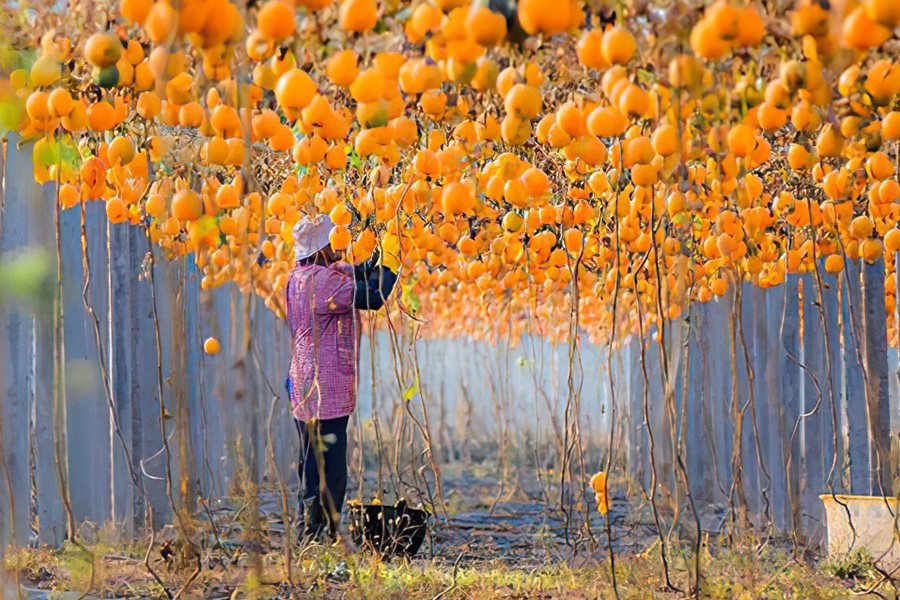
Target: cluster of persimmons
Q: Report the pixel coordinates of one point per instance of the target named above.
(526, 163)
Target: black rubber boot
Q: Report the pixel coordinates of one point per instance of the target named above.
(332, 522)
(313, 519)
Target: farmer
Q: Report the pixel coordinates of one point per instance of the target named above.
(323, 298)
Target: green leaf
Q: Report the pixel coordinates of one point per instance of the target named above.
(409, 298)
(45, 154)
(411, 391)
(403, 15)
(13, 59)
(355, 160)
(58, 151)
(27, 275)
(205, 224)
(68, 153)
(12, 110)
(645, 77)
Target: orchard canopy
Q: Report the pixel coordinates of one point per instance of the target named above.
(551, 166)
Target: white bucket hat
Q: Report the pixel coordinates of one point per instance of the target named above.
(311, 235)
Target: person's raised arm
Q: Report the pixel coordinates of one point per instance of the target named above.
(334, 292)
(373, 286)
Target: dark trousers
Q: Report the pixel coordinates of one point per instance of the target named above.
(323, 473)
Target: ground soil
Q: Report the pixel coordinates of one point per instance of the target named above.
(494, 541)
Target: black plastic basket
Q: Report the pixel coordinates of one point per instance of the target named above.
(388, 530)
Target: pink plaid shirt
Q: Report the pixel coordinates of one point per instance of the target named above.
(325, 333)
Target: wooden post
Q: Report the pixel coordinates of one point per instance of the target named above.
(82, 380)
(238, 381)
(178, 365)
(656, 412)
(27, 232)
(676, 351)
(256, 452)
(49, 507)
(720, 384)
(277, 359)
(89, 426)
(138, 349)
(145, 387)
(756, 326)
(789, 375)
(15, 341)
(16, 347)
(814, 385)
(638, 389)
(750, 476)
(855, 428)
(877, 391)
(120, 329)
(195, 400)
(618, 401)
(216, 390)
(832, 449)
(775, 424)
(696, 439)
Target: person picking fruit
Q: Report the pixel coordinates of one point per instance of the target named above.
(324, 297)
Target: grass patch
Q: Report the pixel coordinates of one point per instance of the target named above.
(857, 566)
(748, 573)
